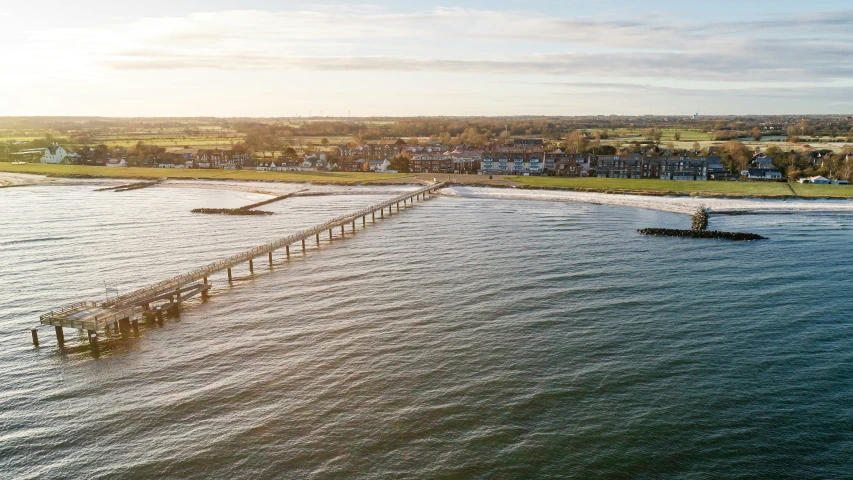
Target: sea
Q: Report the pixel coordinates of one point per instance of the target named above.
(461, 338)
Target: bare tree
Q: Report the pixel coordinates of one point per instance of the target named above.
(576, 141)
(756, 134)
(738, 152)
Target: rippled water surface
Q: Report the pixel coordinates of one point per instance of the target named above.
(462, 338)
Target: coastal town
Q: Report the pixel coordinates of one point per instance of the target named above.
(516, 157)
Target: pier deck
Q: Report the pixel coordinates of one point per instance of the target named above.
(121, 310)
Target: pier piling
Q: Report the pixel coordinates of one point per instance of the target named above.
(342, 231)
(229, 275)
(318, 239)
(270, 259)
(330, 234)
(251, 267)
(160, 316)
(287, 249)
(373, 214)
(303, 245)
(60, 336)
(135, 324)
(35, 332)
(93, 342)
(364, 220)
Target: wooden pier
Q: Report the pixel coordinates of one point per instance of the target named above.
(122, 313)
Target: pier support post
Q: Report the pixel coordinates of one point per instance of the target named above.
(318, 239)
(373, 214)
(342, 230)
(330, 234)
(353, 225)
(135, 324)
(229, 280)
(287, 249)
(382, 213)
(251, 267)
(35, 333)
(178, 295)
(364, 220)
(60, 336)
(93, 342)
(303, 245)
(124, 326)
(398, 206)
(160, 316)
(204, 295)
(205, 280)
(270, 255)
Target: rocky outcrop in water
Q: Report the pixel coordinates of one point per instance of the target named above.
(671, 232)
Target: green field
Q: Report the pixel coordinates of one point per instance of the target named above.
(628, 134)
(342, 178)
(660, 187)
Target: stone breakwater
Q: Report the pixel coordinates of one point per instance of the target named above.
(712, 234)
(700, 219)
(246, 209)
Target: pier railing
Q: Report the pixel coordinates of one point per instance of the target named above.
(131, 299)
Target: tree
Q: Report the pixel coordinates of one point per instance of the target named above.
(850, 135)
(677, 136)
(738, 152)
(325, 143)
(400, 163)
(272, 144)
(696, 147)
(792, 134)
(255, 142)
(576, 142)
(756, 134)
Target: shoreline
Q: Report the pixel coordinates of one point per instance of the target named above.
(683, 204)
(686, 204)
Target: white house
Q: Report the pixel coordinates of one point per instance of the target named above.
(380, 165)
(819, 180)
(115, 162)
(52, 154)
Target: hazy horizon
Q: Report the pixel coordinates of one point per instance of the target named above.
(400, 59)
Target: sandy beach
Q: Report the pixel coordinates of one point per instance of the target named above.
(676, 204)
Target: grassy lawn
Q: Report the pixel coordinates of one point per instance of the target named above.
(809, 190)
(626, 185)
(343, 178)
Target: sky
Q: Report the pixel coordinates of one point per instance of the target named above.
(262, 58)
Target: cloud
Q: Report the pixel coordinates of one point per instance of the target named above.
(812, 47)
